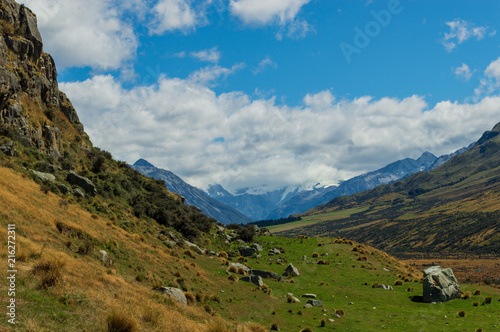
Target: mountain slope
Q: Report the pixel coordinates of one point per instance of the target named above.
(192, 195)
(454, 207)
(397, 170)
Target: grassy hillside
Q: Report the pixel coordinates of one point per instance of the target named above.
(454, 208)
(82, 291)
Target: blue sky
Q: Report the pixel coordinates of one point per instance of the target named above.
(276, 92)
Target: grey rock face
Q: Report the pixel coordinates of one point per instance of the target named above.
(257, 247)
(266, 274)
(8, 149)
(274, 251)
(247, 252)
(440, 285)
(315, 303)
(291, 271)
(309, 295)
(78, 193)
(308, 305)
(193, 246)
(105, 258)
(256, 280)
(44, 176)
(83, 182)
(64, 189)
(175, 294)
(386, 287)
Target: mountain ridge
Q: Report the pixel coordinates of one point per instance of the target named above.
(192, 195)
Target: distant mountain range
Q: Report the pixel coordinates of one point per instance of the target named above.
(287, 201)
(249, 205)
(192, 195)
(452, 208)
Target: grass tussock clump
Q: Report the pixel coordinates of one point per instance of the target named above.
(306, 330)
(315, 255)
(233, 278)
(275, 327)
(398, 283)
(466, 295)
(487, 300)
(339, 313)
(49, 273)
(190, 297)
(477, 292)
(461, 313)
(322, 323)
(189, 254)
(254, 327)
(223, 254)
(119, 322)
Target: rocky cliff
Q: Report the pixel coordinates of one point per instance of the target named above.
(33, 112)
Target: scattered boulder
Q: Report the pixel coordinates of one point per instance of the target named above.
(256, 280)
(247, 252)
(440, 285)
(386, 287)
(64, 189)
(78, 193)
(170, 244)
(174, 293)
(77, 180)
(173, 237)
(308, 305)
(193, 246)
(293, 298)
(291, 271)
(315, 303)
(309, 296)
(304, 258)
(266, 274)
(274, 251)
(44, 176)
(257, 247)
(105, 258)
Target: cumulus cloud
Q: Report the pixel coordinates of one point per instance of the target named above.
(238, 141)
(81, 33)
(265, 12)
(464, 72)
(211, 55)
(460, 31)
(173, 15)
(490, 82)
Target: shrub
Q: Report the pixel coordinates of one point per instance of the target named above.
(275, 327)
(466, 295)
(398, 283)
(190, 297)
(315, 255)
(242, 259)
(475, 304)
(189, 253)
(323, 322)
(339, 313)
(119, 322)
(223, 254)
(232, 277)
(299, 312)
(477, 292)
(240, 270)
(140, 277)
(461, 313)
(487, 300)
(323, 262)
(48, 273)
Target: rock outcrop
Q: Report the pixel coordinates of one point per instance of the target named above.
(256, 280)
(82, 182)
(440, 285)
(28, 83)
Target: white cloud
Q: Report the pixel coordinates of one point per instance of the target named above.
(173, 15)
(464, 72)
(265, 12)
(212, 55)
(461, 31)
(490, 82)
(263, 65)
(208, 75)
(81, 33)
(231, 139)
